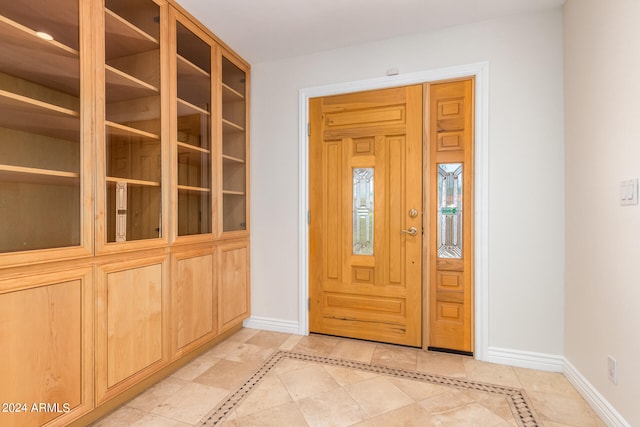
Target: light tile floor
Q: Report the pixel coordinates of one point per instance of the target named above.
(297, 393)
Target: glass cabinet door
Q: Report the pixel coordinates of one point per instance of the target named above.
(234, 147)
(193, 138)
(132, 120)
(40, 140)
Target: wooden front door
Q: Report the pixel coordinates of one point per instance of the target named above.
(366, 201)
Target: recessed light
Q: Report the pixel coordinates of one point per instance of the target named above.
(44, 36)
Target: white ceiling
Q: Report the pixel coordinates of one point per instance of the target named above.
(264, 30)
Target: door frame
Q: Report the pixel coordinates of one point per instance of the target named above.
(481, 195)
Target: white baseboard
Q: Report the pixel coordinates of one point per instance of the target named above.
(596, 400)
(526, 359)
(270, 324)
(554, 363)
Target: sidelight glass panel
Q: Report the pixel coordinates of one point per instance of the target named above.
(363, 211)
(450, 210)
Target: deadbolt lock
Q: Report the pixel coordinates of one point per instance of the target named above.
(413, 213)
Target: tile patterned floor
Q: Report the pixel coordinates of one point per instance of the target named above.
(331, 384)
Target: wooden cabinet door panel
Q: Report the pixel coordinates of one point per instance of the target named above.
(233, 284)
(194, 294)
(46, 330)
(132, 314)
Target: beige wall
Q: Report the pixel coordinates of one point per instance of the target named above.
(602, 122)
(526, 161)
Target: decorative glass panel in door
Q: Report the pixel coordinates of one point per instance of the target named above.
(132, 120)
(40, 142)
(450, 210)
(193, 137)
(363, 211)
(234, 141)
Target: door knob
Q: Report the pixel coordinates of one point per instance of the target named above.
(411, 231)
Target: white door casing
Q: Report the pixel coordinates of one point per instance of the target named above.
(481, 154)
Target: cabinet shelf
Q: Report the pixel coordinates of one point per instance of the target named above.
(229, 94)
(233, 77)
(194, 169)
(187, 69)
(197, 189)
(62, 20)
(124, 39)
(230, 127)
(122, 86)
(187, 109)
(182, 146)
(9, 173)
(33, 116)
(133, 181)
(194, 83)
(123, 130)
(23, 53)
(233, 193)
(232, 159)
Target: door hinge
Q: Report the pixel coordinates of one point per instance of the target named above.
(308, 304)
(308, 129)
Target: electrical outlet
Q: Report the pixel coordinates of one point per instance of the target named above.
(612, 369)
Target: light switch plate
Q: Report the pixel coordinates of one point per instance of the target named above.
(629, 192)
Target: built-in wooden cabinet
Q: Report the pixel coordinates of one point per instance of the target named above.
(124, 215)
